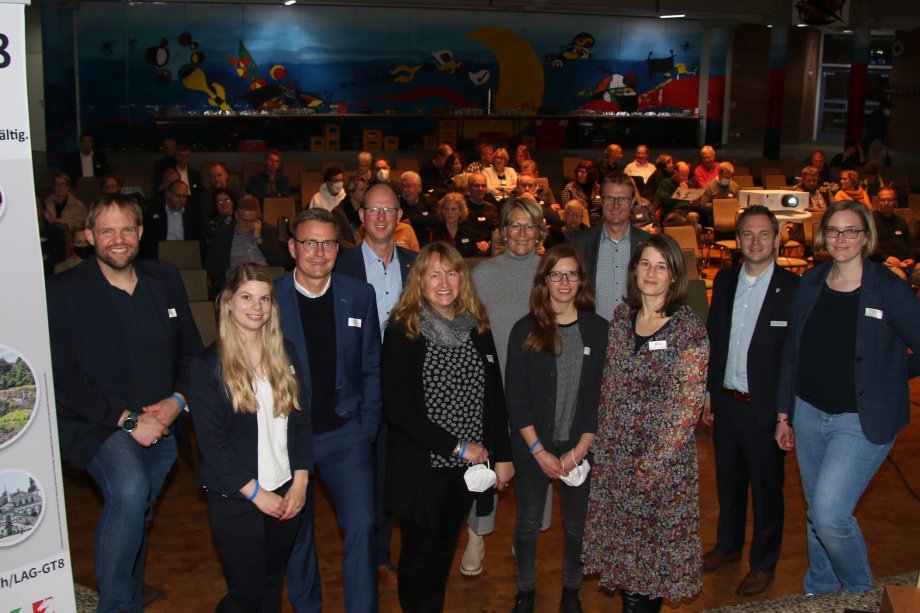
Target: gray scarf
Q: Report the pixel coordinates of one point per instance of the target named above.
(445, 332)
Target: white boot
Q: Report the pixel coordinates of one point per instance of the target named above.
(471, 562)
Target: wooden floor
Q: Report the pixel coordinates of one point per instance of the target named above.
(182, 559)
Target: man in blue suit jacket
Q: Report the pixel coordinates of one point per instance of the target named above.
(376, 261)
(331, 319)
(270, 183)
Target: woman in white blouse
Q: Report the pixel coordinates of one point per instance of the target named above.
(501, 178)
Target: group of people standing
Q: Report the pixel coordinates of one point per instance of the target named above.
(583, 367)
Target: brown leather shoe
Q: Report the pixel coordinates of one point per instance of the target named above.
(714, 559)
(755, 583)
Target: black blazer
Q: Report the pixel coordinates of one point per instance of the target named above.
(88, 350)
(530, 388)
(258, 186)
(765, 351)
(589, 242)
(351, 262)
(885, 328)
(217, 260)
(230, 441)
(411, 484)
(465, 240)
(156, 225)
(74, 167)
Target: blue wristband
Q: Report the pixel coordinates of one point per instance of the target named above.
(179, 399)
(535, 443)
(254, 492)
(462, 449)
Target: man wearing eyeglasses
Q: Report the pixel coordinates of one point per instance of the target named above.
(331, 320)
(385, 265)
(607, 247)
(170, 220)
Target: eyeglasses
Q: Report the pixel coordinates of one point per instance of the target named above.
(223, 200)
(848, 233)
(522, 227)
(556, 275)
(311, 244)
(379, 210)
(617, 201)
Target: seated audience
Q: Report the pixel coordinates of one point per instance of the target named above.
(435, 171)
(675, 211)
(500, 178)
(247, 241)
(708, 168)
(851, 158)
(53, 238)
(664, 168)
(850, 189)
(640, 167)
(818, 194)
(871, 179)
(270, 183)
(62, 206)
(415, 207)
(542, 193)
(111, 185)
(191, 176)
(221, 213)
(346, 216)
(611, 161)
(381, 170)
(331, 192)
(483, 219)
(817, 161)
(218, 178)
(167, 161)
(721, 187)
(78, 248)
(451, 212)
(521, 155)
(896, 247)
(86, 161)
(365, 160)
(586, 190)
(574, 217)
(486, 151)
(169, 220)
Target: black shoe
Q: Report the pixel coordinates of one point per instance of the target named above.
(524, 602)
(570, 602)
(632, 603)
(651, 605)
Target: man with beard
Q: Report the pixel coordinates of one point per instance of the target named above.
(122, 336)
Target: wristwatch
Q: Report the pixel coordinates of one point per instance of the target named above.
(129, 425)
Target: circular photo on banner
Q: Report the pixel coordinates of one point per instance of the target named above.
(18, 395)
(2, 201)
(22, 505)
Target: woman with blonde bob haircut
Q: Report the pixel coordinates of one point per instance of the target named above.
(255, 438)
(443, 400)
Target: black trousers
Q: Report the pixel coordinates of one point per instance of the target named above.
(253, 549)
(747, 455)
(428, 549)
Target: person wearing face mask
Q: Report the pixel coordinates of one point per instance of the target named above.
(78, 247)
(721, 187)
(383, 174)
(331, 192)
(552, 389)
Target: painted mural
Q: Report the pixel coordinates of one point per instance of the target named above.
(139, 62)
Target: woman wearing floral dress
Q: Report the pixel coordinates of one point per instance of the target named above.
(643, 514)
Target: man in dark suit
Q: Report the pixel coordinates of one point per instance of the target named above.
(607, 247)
(246, 241)
(169, 220)
(375, 261)
(747, 327)
(122, 338)
(86, 161)
(331, 319)
(166, 162)
(270, 183)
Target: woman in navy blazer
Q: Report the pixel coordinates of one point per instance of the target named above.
(843, 394)
(253, 428)
(560, 344)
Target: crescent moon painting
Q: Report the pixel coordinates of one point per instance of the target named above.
(520, 72)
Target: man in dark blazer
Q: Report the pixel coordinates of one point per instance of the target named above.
(170, 219)
(748, 321)
(331, 319)
(607, 247)
(122, 339)
(96, 161)
(374, 261)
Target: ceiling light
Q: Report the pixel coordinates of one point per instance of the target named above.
(672, 16)
(289, 2)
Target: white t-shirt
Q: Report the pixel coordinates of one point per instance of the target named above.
(274, 464)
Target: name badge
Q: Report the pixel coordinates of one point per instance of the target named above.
(490, 358)
(876, 313)
(480, 218)
(171, 313)
(425, 214)
(778, 324)
(354, 322)
(657, 345)
(587, 351)
(898, 233)
(464, 240)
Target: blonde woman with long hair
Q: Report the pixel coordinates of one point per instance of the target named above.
(443, 400)
(254, 431)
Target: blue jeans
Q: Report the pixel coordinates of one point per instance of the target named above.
(130, 477)
(836, 463)
(344, 462)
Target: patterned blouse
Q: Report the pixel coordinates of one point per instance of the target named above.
(641, 533)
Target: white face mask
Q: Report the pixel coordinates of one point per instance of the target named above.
(336, 187)
(383, 175)
(578, 474)
(479, 477)
(723, 182)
